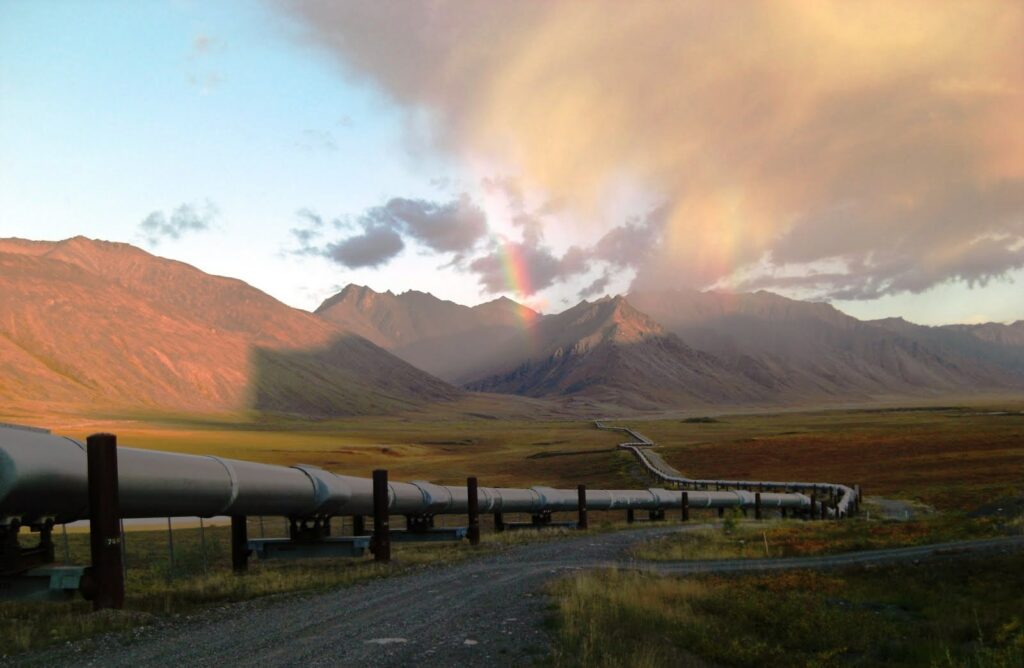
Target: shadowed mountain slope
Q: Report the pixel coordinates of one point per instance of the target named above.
(446, 339)
(609, 351)
(822, 352)
(93, 323)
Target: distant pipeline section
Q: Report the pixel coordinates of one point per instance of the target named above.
(846, 498)
(44, 481)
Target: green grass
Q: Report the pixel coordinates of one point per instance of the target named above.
(962, 613)
(795, 538)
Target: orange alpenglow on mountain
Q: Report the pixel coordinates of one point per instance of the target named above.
(88, 323)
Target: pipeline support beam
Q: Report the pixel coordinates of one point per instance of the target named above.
(106, 575)
(473, 510)
(381, 529)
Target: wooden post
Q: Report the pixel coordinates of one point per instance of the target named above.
(106, 574)
(757, 505)
(581, 496)
(721, 512)
(499, 522)
(630, 517)
(473, 509)
(381, 529)
(239, 544)
(358, 525)
(686, 507)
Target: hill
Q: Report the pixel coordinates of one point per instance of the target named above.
(448, 340)
(98, 324)
(824, 353)
(609, 351)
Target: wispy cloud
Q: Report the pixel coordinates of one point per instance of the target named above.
(184, 220)
(452, 227)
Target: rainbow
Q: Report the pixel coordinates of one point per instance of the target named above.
(517, 278)
(517, 281)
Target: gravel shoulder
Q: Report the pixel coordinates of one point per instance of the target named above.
(487, 611)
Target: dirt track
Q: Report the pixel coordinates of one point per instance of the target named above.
(487, 611)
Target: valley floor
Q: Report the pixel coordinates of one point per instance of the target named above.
(954, 469)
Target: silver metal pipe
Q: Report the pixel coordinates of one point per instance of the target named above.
(44, 477)
(657, 467)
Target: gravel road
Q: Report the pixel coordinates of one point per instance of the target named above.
(487, 611)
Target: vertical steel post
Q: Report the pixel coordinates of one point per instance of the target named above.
(170, 550)
(813, 511)
(202, 542)
(239, 543)
(686, 507)
(757, 505)
(107, 570)
(721, 512)
(358, 525)
(381, 530)
(581, 503)
(473, 509)
(124, 550)
(499, 522)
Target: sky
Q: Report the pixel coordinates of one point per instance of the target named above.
(869, 154)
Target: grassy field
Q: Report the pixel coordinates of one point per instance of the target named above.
(965, 613)
(948, 458)
(951, 459)
(200, 575)
(944, 457)
(795, 538)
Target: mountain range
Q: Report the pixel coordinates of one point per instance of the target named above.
(94, 325)
(684, 348)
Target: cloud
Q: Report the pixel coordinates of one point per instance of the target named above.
(185, 219)
(449, 227)
(376, 245)
(597, 287)
(631, 244)
(526, 268)
(885, 137)
(455, 226)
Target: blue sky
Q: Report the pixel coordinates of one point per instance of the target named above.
(113, 111)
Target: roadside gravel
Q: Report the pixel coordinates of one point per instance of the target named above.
(488, 611)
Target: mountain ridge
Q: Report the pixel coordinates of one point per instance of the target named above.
(108, 324)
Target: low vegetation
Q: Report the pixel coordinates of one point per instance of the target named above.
(962, 613)
(200, 576)
(952, 459)
(798, 538)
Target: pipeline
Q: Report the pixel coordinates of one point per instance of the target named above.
(43, 481)
(846, 497)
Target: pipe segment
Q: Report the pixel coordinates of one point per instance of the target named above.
(44, 477)
(847, 496)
